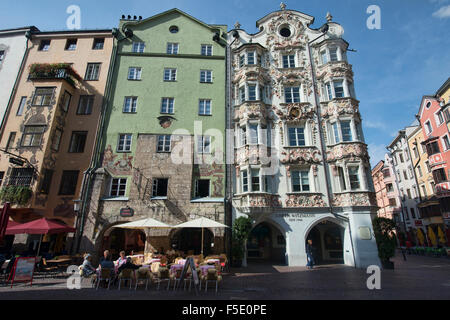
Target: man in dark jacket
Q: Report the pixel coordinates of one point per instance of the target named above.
(310, 254)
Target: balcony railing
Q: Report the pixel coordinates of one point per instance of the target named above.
(58, 71)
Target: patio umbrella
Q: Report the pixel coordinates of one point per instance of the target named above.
(4, 220)
(420, 237)
(201, 223)
(142, 224)
(40, 226)
(441, 236)
(432, 236)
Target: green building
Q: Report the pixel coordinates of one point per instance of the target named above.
(161, 150)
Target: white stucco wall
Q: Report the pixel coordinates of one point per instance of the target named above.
(14, 46)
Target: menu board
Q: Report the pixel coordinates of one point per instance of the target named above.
(23, 270)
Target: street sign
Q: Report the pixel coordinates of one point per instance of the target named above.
(126, 212)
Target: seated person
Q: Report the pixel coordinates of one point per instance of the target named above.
(87, 267)
(128, 265)
(122, 259)
(105, 261)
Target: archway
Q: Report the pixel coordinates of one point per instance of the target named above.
(117, 239)
(327, 241)
(266, 243)
(189, 241)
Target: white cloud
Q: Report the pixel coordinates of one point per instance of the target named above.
(376, 152)
(442, 13)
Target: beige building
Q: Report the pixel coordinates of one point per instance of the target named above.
(51, 125)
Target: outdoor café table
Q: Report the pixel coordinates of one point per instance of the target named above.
(154, 260)
(58, 261)
(213, 261)
(175, 267)
(204, 269)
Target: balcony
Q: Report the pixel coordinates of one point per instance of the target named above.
(250, 110)
(348, 150)
(435, 159)
(443, 189)
(300, 155)
(253, 154)
(355, 199)
(256, 202)
(59, 71)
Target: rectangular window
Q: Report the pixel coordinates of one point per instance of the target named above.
(130, 105)
(338, 89)
(336, 132)
(46, 181)
(389, 187)
(21, 177)
(99, 44)
(11, 139)
(78, 141)
(439, 118)
(392, 202)
(44, 45)
(300, 181)
(85, 105)
(433, 148)
(69, 182)
(118, 187)
(328, 91)
(268, 183)
(405, 175)
(206, 76)
(244, 181)
(204, 144)
(202, 188)
(241, 94)
(254, 137)
(408, 192)
(346, 131)
(243, 133)
(400, 156)
(164, 143)
(416, 153)
(446, 142)
(419, 169)
(428, 127)
(206, 50)
(296, 137)
(2, 175)
(23, 100)
(353, 173)
(289, 61)
(413, 213)
(32, 136)
(42, 96)
(124, 144)
(172, 48)
(439, 175)
(292, 94)
(170, 74)
(324, 56)
(250, 58)
(333, 54)
(56, 139)
(167, 105)
(204, 107)
(71, 44)
(66, 101)
(256, 185)
(160, 187)
(134, 73)
(2, 55)
(251, 93)
(241, 60)
(138, 47)
(92, 72)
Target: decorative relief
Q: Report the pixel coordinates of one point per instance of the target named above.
(117, 166)
(253, 154)
(263, 200)
(302, 201)
(352, 151)
(339, 107)
(294, 111)
(301, 155)
(354, 199)
(250, 111)
(335, 69)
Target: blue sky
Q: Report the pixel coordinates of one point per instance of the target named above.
(394, 67)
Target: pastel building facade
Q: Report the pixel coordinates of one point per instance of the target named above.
(301, 165)
(386, 189)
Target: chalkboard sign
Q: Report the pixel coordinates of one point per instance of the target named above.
(23, 270)
(126, 212)
(190, 264)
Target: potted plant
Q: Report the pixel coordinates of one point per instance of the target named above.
(241, 231)
(386, 240)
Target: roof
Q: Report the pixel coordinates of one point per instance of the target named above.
(71, 32)
(174, 10)
(444, 87)
(19, 30)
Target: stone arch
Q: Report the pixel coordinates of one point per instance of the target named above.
(189, 239)
(267, 242)
(98, 243)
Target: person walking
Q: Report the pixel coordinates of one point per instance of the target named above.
(310, 254)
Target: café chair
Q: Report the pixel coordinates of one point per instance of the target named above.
(143, 274)
(126, 275)
(105, 275)
(163, 275)
(212, 276)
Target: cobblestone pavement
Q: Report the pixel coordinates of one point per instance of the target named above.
(417, 278)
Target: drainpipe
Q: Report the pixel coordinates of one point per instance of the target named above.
(94, 165)
(28, 36)
(322, 141)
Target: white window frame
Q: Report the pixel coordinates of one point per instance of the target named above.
(308, 175)
(171, 73)
(23, 101)
(166, 145)
(126, 147)
(206, 50)
(288, 136)
(130, 102)
(428, 127)
(172, 48)
(445, 142)
(203, 106)
(119, 184)
(206, 75)
(138, 47)
(167, 105)
(289, 61)
(204, 144)
(437, 116)
(137, 73)
(289, 92)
